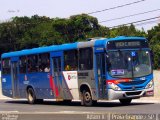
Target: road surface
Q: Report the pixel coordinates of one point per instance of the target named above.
(50, 110)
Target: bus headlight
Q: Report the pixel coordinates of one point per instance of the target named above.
(150, 84)
(114, 86)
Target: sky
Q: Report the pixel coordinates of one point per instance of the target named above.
(67, 8)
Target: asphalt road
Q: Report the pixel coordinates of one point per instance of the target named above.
(50, 110)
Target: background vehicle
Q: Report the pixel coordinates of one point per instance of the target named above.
(100, 69)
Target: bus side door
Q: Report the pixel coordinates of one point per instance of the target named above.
(56, 58)
(14, 76)
(101, 74)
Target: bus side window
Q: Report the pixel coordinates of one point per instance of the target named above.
(33, 63)
(23, 64)
(70, 60)
(44, 62)
(85, 59)
(6, 64)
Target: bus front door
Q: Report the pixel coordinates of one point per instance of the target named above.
(57, 77)
(15, 83)
(100, 65)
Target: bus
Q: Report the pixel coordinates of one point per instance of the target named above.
(99, 69)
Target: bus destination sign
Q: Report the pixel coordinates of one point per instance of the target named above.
(127, 44)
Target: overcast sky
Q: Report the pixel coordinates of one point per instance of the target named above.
(66, 8)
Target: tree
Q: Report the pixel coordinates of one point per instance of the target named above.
(29, 32)
(76, 27)
(127, 31)
(154, 41)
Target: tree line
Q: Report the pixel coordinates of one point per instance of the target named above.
(29, 32)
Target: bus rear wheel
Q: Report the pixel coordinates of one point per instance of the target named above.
(31, 96)
(66, 102)
(125, 101)
(39, 101)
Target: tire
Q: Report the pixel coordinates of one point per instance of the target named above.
(66, 102)
(31, 96)
(94, 102)
(39, 101)
(125, 101)
(87, 98)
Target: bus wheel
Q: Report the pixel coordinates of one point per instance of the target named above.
(66, 102)
(125, 101)
(31, 96)
(39, 101)
(87, 98)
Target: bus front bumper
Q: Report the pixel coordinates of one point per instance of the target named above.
(112, 94)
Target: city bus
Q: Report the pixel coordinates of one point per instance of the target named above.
(99, 69)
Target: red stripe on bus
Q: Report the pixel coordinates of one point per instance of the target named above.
(56, 92)
(53, 86)
(118, 81)
(51, 83)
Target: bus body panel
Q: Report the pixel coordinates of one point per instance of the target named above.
(71, 82)
(65, 85)
(138, 83)
(7, 85)
(86, 77)
(40, 83)
(113, 95)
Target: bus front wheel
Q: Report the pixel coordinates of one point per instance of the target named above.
(31, 96)
(87, 98)
(125, 101)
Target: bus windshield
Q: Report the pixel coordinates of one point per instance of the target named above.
(129, 64)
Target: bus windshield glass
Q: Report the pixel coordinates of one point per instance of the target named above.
(129, 64)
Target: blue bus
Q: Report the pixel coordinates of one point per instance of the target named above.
(99, 69)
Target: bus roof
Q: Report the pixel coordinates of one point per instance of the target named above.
(69, 46)
(126, 38)
(40, 50)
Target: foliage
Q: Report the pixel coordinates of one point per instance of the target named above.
(126, 31)
(154, 40)
(28, 32)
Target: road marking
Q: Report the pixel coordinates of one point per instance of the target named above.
(3, 112)
(59, 112)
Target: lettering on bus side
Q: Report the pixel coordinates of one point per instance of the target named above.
(82, 75)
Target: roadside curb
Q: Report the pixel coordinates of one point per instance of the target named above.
(147, 101)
